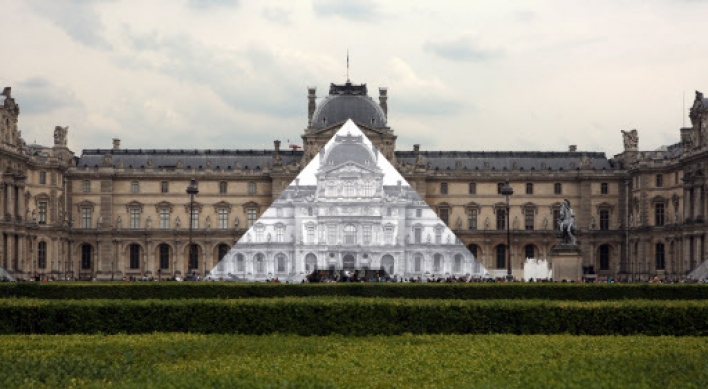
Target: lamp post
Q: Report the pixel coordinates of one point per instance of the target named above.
(507, 191)
(192, 190)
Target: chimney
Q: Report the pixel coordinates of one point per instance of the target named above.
(572, 148)
(382, 100)
(311, 96)
(416, 147)
(116, 144)
(277, 146)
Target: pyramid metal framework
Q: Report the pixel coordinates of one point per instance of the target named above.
(348, 209)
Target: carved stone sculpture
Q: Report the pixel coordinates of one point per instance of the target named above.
(566, 223)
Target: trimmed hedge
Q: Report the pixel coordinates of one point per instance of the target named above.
(353, 316)
(220, 290)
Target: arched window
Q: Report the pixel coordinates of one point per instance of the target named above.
(660, 256)
(458, 263)
(605, 257)
(387, 263)
(437, 263)
(350, 234)
(221, 251)
(134, 256)
(259, 259)
(473, 248)
(530, 251)
(86, 254)
(280, 259)
(240, 263)
(42, 255)
(418, 262)
(501, 257)
(310, 262)
(164, 251)
(194, 257)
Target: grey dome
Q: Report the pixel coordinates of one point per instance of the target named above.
(338, 108)
(343, 153)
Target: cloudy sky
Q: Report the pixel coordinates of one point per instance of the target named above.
(462, 75)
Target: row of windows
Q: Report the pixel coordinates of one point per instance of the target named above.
(165, 186)
(529, 217)
(557, 188)
(164, 217)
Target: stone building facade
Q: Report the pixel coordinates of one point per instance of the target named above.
(117, 212)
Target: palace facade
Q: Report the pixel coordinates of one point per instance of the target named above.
(115, 212)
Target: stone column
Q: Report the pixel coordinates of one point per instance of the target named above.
(20, 202)
(3, 200)
(21, 252)
(697, 195)
(9, 203)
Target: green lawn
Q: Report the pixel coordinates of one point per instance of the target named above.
(166, 360)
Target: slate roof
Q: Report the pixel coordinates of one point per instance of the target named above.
(168, 158)
(501, 160)
(339, 108)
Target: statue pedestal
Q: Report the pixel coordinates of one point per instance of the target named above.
(566, 263)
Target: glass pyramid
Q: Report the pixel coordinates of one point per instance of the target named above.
(349, 209)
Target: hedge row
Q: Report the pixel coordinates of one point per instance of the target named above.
(219, 290)
(353, 316)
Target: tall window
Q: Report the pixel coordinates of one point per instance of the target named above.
(417, 234)
(240, 263)
(86, 253)
(223, 215)
(222, 250)
(222, 187)
(164, 218)
(279, 233)
(349, 190)
(472, 219)
(252, 187)
(134, 187)
(42, 255)
(134, 256)
(445, 215)
(458, 263)
(388, 235)
(604, 188)
(366, 232)
(443, 188)
(332, 234)
(418, 212)
(86, 217)
(164, 256)
(557, 188)
(87, 186)
(437, 262)
(42, 212)
(660, 256)
(251, 217)
(604, 219)
(350, 234)
(164, 186)
(280, 259)
(472, 188)
(659, 180)
(194, 257)
(501, 256)
(418, 262)
(604, 257)
(659, 214)
(368, 189)
(529, 219)
(311, 234)
(259, 229)
(259, 263)
(195, 218)
(501, 219)
(529, 188)
(438, 235)
(134, 218)
(42, 178)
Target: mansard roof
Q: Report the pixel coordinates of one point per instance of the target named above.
(169, 158)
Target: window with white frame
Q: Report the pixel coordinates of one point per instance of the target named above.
(349, 190)
(251, 217)
(280, 259)
(368, 189)
(417, 234)
(42, 178)
(311, 234)
(388, 234)
(222, 187)
(332, 234)
(349, 234)
(42, 205)
(279, 233)
(87, 186)
(164, 218)
(134, 187)
(259, 229)
(86, 217)
(223, 215)
(164, 186)
(472, 218)
(252, 187)
(195, 218)
(134, 218)
(366, 234)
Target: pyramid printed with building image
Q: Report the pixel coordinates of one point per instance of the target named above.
(348, 209)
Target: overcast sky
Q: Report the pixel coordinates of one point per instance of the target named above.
(461, 75)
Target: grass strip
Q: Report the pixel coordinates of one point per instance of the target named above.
(354, 316)
(167, 360)
(470, 291)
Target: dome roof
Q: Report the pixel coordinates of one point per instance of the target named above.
(350, 152)
(348, 102)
